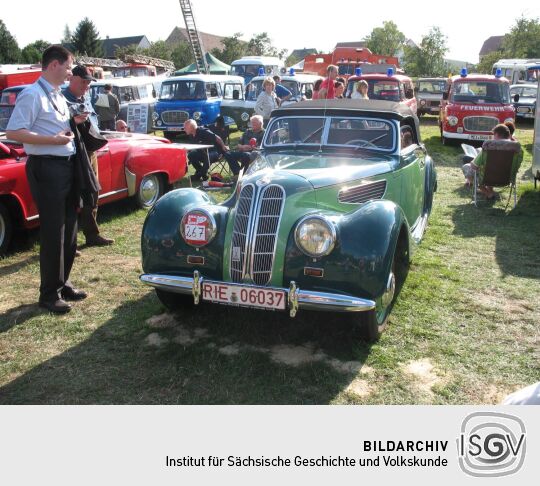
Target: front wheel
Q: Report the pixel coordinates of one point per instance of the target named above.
(150, 190)
(6, 229)
(173, 301)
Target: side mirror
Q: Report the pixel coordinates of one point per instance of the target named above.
(235, 94)
(309, 94)
(409, 93)
(445, 96)
(516, 98)
(154, 94)
(213, 92)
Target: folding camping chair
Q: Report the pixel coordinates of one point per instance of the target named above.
(498, 167)
(221, 130)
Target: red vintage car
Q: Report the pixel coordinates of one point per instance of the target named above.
(472, 105)
(135, 165)
(385, 86)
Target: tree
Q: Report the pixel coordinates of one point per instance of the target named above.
(523, 40)
(386, 40)
(261, 45)
(9, 49)
(86, 39)
(485, 66)
(159, 49)
(67, 36)
(292, 60)
(182, 55)
(32, 53)
(428, 58)
(233, 48)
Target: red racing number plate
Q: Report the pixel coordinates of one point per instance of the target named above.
(244, 296)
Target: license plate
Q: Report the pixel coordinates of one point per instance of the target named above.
(173, 129)
(480, 137)
(523, 110)
(260, 297)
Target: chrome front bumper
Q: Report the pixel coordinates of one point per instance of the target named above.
(296, 298)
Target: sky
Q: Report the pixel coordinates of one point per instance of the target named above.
(290, 24)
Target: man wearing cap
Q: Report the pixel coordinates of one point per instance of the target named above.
(41, 122)
(78, 100)
(107, 107)
(282, 92)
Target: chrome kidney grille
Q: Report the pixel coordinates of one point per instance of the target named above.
(362, 193)
(174, 117)
(480, 123)
(256, 225)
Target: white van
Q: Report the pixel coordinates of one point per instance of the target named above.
(249, 66)
(518, 70)
(137, 97)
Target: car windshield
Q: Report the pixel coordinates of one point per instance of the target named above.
(292, 86)
(349, 132)
(525, 92)
(478, 92)
(182, 90)
(246, 69)
(379, 89)
(432, 86)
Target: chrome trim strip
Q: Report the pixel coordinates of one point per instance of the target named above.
(33, 218)
(112, 193)
(131, 180)
(365, 192)
(237, 229)
(307, 299)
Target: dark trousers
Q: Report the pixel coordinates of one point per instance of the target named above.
(88, 214)
(51, 183)
(199, 160)
(238, 160)
(107, 125)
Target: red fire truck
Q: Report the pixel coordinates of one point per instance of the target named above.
(15, 76)
(347, 59)
(473, 104)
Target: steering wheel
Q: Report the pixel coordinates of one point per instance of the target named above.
(361, 143)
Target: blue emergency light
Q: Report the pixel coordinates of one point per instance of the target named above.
(358, 71)
(261, 71)
(390, 72)
(291, 72)
(498, 73)
(463, 73)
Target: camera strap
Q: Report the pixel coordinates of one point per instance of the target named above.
(50, 98)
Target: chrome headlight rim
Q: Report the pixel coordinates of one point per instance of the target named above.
(244, 116)
(211, 231)
(197, 115)
(452, 120)
(329, 225)
(155, 116)
(422, 102)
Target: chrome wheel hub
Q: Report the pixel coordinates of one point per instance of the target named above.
(149, 190)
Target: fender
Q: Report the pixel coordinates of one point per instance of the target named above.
(162, 244)
(14, 188)
(169, 159)
(362, 258)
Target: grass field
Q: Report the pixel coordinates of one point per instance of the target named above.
(464, 328)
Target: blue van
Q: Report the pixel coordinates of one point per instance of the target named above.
(195, 96)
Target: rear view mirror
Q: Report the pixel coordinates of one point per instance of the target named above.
(235, 94)
(516, 98)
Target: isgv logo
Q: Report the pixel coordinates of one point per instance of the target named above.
(491, 444)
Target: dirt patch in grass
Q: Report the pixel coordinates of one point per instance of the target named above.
(162, 321)
(361, 388)
(423, 375)
(156, 340)
(296, 355)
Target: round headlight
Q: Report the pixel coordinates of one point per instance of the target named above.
(422, 102)
(244, 116)
(315, 236)
(155, 116)
(452, 121)
(159, 123)
(509, 120)
(198, 227)
(197, 115)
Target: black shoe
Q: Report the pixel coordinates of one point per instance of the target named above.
(58, 306)
(69, 293)
(99, 240)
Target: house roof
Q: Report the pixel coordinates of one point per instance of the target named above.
(301, 53)
(491, 44)
(361, 44)
(210, 41)
(110, 45)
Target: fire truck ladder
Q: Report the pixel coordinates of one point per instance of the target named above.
(193, 37)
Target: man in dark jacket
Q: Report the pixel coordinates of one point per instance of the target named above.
(79, 101)
(201, 159)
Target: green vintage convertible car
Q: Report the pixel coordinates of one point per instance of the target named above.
(326, 218)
